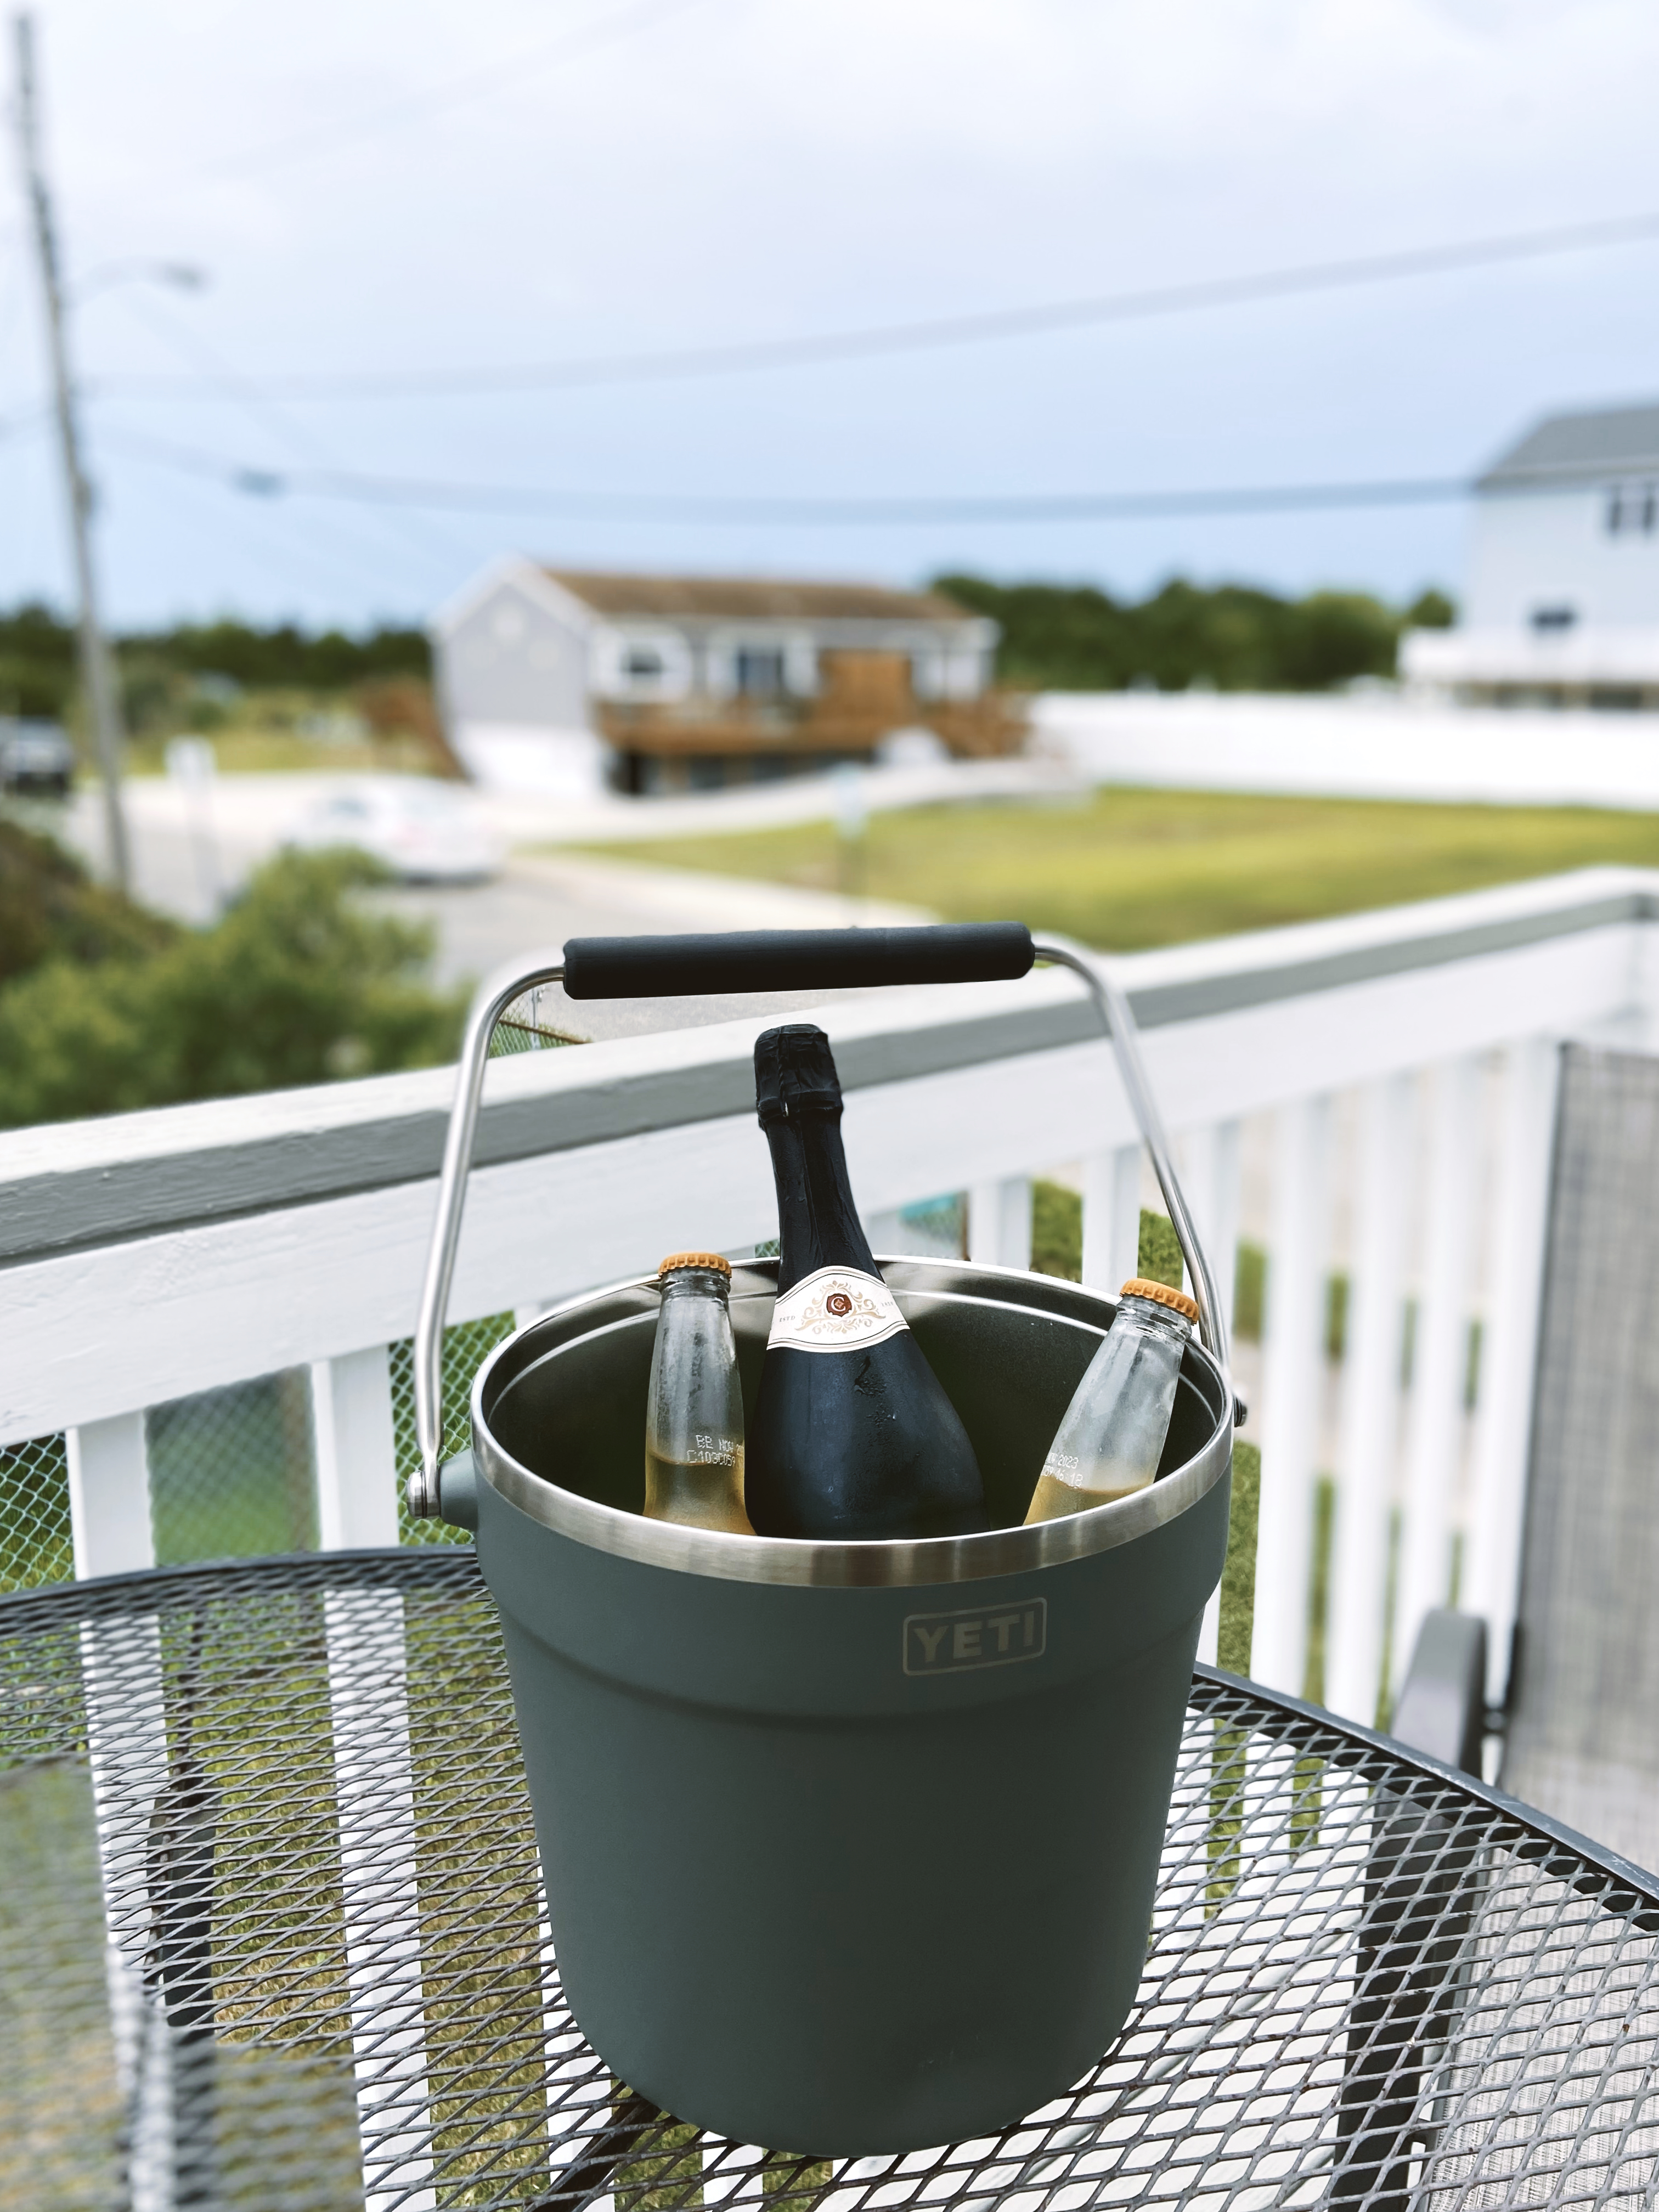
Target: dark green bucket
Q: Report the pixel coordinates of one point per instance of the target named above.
(849, 1848)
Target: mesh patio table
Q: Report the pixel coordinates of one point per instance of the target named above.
(272, 1936)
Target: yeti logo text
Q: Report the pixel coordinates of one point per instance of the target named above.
(945, 1642)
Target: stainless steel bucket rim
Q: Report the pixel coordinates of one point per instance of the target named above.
(878, 1564)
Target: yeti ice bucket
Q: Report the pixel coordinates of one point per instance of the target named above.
(849, 1848)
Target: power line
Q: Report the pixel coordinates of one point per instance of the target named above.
(1064, 507)
(977, 329)
(281, 539)
(455, 92)
(247, 395)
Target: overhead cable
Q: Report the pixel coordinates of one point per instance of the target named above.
(456, 91)
(265, 483)
(976, 329)
(243, 392)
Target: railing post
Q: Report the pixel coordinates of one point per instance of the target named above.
(127, 1754)
(374, 1802)
(578, 2090)
(1111, 1217)
(1210, 1169)
(999, 1222)
(1439, 1353)
(1292, 1379)
(374, 1781)
(1356, 1622)
(109, 1496)
(1508, 1351)
(357, 1450)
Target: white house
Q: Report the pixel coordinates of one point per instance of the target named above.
(1562, 605)
(554, 680)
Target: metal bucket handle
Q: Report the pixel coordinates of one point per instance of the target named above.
(766, 960)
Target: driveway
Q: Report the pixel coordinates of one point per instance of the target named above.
(186, 862)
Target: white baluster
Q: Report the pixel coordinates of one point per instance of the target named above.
(1509, 1347)
(1210, 1175)
(357, 1450)
(374, 1780)
(1356, 1622)
(999, 1222)
(578, 2086)
(733, 2173)
(1439, 1353)
(109, 1496)
(127, 1752)
(1111, 1219)
(374, 1799)
(1292, 1379)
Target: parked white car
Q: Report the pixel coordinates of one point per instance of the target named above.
(424, 832)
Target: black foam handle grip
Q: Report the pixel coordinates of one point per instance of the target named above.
(794, 960)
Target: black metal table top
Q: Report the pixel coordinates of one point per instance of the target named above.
(272, 1936)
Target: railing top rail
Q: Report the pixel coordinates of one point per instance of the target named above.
(77, 1184)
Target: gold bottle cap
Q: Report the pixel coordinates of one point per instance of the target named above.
(1137, 1286)
(721, 1267)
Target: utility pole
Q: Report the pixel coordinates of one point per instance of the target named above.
(97, 669)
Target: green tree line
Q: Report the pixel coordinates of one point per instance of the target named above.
(38, 676)
(1075, 637)
(1067, 637)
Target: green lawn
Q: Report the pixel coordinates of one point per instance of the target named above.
(1128, 868)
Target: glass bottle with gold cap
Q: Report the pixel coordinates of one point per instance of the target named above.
(694, 1408)
(1111, 1437)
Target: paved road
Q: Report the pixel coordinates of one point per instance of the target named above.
(542, 902)
(537, 901)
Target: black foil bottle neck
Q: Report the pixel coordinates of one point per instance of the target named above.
(794, 1073)
(798, 1098)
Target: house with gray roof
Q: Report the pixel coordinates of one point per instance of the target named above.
(1562, 598)
(556, 678)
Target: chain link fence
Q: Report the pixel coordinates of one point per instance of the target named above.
(466, 1345)
(35, 1543)
(521, 1029)
(233, 1471)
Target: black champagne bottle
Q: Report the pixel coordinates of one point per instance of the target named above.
(852, 1436)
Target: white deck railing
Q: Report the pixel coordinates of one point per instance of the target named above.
(1407, 1059)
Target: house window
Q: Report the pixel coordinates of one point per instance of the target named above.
(644, 665)
(759, 670)
(1632, 510)
(1547, 619)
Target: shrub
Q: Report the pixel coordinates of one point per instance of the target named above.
(298, 983)
(50, 909)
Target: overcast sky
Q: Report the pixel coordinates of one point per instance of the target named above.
(427, 186)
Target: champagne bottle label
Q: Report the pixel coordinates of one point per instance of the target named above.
(835, 1309)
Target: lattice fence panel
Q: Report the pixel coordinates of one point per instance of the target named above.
(231, 1472)
(466, 1344)
(35, 1543)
